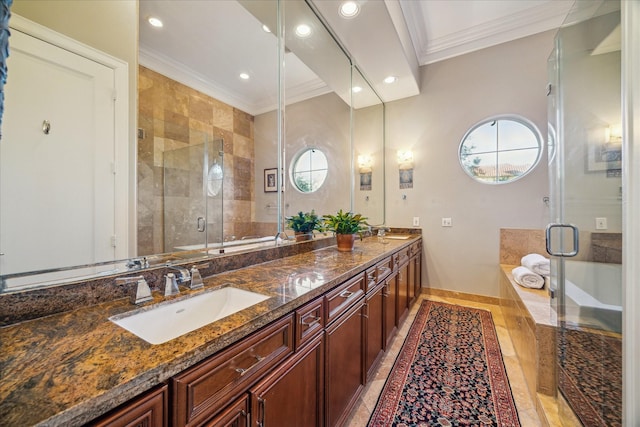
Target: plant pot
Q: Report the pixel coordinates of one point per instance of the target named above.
(302, 236)
(345, 242)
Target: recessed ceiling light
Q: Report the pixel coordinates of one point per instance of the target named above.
(265, 28)
(244, 76)
(390, 79)
(155, 22)
(349, 9)
(356, 89)
(303, 30)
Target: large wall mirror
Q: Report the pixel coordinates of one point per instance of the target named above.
(204, 107)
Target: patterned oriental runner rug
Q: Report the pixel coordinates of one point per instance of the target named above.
(449, 372)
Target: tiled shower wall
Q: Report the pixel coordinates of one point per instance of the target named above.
(173, 116)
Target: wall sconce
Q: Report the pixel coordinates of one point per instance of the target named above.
(364, 163)
(405, 159)
(405, 166)
(613, 134)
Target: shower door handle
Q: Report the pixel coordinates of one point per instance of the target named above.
(575, 233)
(201, 224)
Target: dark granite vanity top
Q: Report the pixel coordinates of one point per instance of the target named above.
(68, 368)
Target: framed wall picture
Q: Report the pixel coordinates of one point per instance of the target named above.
(270, 181)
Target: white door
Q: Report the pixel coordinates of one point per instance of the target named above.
(56, 188)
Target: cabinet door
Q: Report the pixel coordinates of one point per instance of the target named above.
(374, 320)
(403, 293)
(147, 410)
(344, 365)
(204, 389)
(236, 415)
(417, 270)
(390, 295)
(412, 281)
(293, 395)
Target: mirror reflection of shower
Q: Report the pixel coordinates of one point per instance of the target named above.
(192, 196)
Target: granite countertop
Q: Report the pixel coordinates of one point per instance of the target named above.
(68, 368)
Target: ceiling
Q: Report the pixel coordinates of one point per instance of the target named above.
(386, 38)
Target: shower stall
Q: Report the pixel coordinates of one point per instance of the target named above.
(193, 196)
(585, 234)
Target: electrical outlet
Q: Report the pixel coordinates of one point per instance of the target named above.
(601, 223)
(416, 221)
(446, 222)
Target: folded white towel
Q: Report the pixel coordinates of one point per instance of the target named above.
(527, 278)
(537, 263)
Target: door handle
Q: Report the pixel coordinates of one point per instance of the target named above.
(575, 233)
(201, 224)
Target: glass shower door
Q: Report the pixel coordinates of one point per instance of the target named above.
(585, 176)
(193, 194)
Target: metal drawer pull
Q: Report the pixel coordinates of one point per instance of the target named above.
(314, 320)
(345, 294)
(244, 371)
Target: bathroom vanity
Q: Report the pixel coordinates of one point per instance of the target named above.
(300, 357)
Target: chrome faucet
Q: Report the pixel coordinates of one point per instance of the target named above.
(183, 275)
(140, 293)
(170, 285)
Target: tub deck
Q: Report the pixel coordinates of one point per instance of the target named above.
(532, 325)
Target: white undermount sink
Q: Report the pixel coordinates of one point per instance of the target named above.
(397, 236)
(170, 320)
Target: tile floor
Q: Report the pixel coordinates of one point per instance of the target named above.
(525, 405)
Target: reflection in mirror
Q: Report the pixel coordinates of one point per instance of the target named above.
(309, 170)
(368, 145)
(186, 93)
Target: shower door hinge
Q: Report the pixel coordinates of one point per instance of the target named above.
(114, 95)
(549, 88)
(113, 168)
(113, 241)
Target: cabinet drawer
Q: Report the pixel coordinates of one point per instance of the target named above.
(416, 248)
(309, 321)
(370, 279)
(236, 415)
(341, 298)
(383, 269)
(205, 388)
(150, 409)
(400, 258)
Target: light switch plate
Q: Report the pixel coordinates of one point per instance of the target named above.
(446, 222)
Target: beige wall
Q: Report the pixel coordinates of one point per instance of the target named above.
(455, 95)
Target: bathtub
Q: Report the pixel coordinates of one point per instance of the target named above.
(233, 246)
(594, 294)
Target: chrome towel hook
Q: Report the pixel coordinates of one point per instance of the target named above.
(46, 127)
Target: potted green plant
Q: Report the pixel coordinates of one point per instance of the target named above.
(303, 224)
(346, 225)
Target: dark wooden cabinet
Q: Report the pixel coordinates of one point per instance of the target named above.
(204, 389)
(147, 410)
(390, 294)
(374, 329)
(403, 293)
(415, 276)
(293, 394)
(236, 415)
(307, 368)
(344, 363)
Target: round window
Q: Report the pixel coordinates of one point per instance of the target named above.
(501, 149)
(309, 170)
